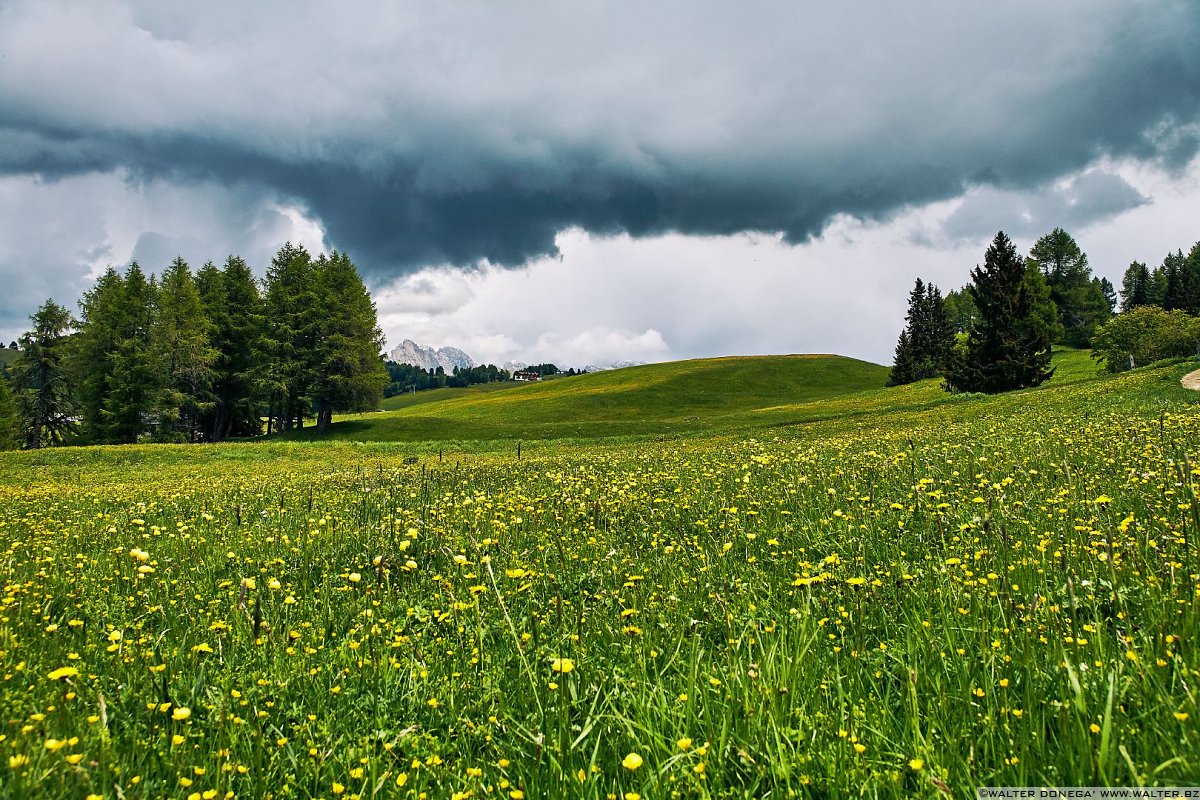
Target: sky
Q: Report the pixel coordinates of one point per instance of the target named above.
(589, 182)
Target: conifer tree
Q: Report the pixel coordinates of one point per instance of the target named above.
(924, 348)
(135, 386)
(1174, 281)
(1135, 286)
(233, 306)
(903, 366)
(290, 304)
(348, 370)
(94, 349)
(180, 341)
(1080, 301)
(10, 424)
(43, 393)
(1010, 347)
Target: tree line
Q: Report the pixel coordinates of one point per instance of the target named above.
(197, 357)
(996, 333)
(411, 378)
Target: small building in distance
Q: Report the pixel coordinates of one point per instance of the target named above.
(523, 375)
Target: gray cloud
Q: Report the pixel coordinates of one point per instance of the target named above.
(421, 133)
(480, 135)
(1094, 196)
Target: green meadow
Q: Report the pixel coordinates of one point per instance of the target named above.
(745, 577)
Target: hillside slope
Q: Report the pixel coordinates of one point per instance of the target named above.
(712, 395)
(664, 398)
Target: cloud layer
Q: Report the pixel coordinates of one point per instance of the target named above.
(427, 137)
(422, 133)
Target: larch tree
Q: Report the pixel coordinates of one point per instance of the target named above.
(1081, 303)
(10, 421)
(234, 307)
(43, 393)
(179, 336)
(348, 370)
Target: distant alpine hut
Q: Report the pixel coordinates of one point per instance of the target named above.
(526, 376)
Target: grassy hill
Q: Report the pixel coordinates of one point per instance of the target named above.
(700, 396)
(7, 356)
(674, 397)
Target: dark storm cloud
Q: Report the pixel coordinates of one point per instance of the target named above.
(452, 134)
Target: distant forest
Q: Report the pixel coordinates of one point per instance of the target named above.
(203, 357)
(996, 333)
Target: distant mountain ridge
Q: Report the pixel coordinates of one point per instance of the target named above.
(448, 358)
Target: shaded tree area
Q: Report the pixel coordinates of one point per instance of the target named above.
(198, 357)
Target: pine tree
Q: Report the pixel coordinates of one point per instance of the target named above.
(1010, 347)
(179, 337)
(1135, 286)
(43, 392)
(348, 370)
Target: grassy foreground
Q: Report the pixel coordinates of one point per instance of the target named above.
(900, 594)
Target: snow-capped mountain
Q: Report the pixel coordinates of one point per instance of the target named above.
(409, 352)
(613, 365)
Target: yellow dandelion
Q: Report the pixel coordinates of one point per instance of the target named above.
(632, 761)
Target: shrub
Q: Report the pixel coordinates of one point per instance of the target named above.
(1144, 335)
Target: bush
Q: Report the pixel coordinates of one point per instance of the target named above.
(1144, 335)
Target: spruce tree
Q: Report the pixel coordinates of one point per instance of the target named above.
(1175, 280)
(94, 347)
(925, 345)
(903, 370)
(1010, 346)
(43, 392)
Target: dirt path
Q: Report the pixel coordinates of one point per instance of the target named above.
(1191, 381)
